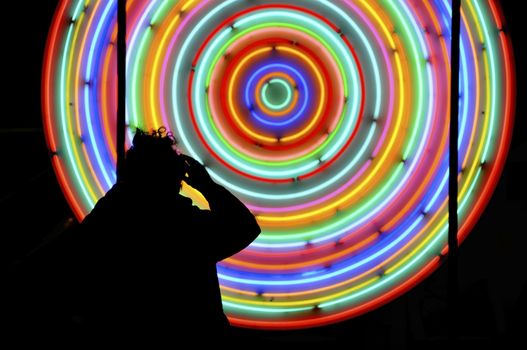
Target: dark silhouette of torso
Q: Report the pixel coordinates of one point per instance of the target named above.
(147, 261)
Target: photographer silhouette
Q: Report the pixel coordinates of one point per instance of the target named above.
(144, 260)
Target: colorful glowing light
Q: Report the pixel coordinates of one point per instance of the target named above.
(329, 119)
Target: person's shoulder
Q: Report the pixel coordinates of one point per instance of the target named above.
(117, 189)
(115, 193)
(112, 199)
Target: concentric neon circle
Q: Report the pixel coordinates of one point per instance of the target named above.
(328, 119)
(276, 94)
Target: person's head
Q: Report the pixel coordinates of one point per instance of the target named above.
(153, 159)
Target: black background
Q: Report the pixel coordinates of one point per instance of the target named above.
(492, 259)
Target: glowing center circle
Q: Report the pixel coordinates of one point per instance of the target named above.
(277, 94)
(287, 69)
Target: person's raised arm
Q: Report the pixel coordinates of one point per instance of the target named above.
(234, 226)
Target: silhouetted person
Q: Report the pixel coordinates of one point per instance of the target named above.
(144, 260)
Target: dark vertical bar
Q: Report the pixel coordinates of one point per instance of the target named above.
(121, 85)
(453, 274)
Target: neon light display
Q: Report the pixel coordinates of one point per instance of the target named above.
(329, 119)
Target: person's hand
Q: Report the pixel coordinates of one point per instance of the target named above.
(196, 174)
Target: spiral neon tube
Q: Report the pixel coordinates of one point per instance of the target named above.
(328, 119)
